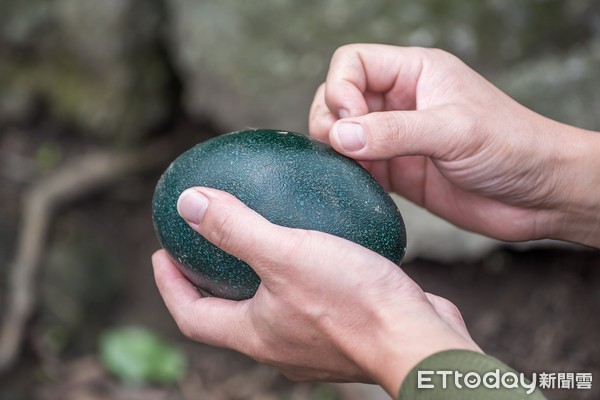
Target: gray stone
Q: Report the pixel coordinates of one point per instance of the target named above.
(93, 62)
(563, 87)
(430, 237)
(258, 64)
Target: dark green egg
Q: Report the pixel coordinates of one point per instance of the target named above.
(290, 179)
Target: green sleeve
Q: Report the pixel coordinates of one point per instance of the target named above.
(472, 376)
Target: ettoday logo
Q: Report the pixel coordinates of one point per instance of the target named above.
(472, 380)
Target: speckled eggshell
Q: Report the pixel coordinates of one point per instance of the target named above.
(290, 179)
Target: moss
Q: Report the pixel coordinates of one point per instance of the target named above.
(95, 64)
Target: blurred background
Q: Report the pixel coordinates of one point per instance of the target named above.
(97, 97)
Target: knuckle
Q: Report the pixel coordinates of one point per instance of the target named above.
(445, 61)
(451, 310)
(388, 128)
(301, 238)
(463, 119)
(224, 230)
(439, 53)
(443, 56)
(255, 349)
(348, 51)
(400, 127)
(344, 50)
(294, 247)
(186, 327)
(445, 307)
(299, 242)
(226, 225)
(286, 254)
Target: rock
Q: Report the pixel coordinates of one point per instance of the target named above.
(93, 63)
(258, 64)
(249, 64)
(433, 238)
(564, 87)
(430, 237)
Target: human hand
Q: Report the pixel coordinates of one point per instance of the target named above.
(326, 308)
(433, 130)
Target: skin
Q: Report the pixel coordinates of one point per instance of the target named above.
(439, 134)
(434, 131)
(326, 309)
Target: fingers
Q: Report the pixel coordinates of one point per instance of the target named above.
(381, 101)
(439, 132)
(320, 119)
(213, 321)
(362, 68)
(365, 78)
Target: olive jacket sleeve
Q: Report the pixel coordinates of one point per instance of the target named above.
(466, 375)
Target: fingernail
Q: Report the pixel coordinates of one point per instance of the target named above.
(343, 113)
(350, 136)
(192, 205)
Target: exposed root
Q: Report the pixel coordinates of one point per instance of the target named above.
(73, 181)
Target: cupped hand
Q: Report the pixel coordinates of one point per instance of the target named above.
(433, 130)
(326, 308)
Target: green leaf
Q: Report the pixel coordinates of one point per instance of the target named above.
(137, 356)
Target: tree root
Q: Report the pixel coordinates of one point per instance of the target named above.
(73, 181)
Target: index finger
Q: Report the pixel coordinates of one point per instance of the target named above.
(320, 118)
(209, 320)
(358, 69)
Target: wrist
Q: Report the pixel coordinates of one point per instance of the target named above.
(395, 348)
(391, 374)
(576, 215)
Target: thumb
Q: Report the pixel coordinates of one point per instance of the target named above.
(437, 133)
(238, 230)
